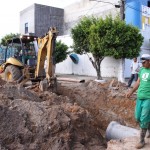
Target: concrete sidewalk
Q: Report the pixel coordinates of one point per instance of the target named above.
(83, 77)
(78, 77)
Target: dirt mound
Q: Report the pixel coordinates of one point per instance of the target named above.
(106, 103)
(127, 144)
(42, 121)
(76, 118)
(2, 82)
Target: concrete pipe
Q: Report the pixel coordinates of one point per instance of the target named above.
(117, 131)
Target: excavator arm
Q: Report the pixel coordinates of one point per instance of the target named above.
(45, 52)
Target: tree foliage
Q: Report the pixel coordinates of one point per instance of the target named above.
(113, 37)
(8, 37)
(80, 34)
(61, 52)
(106, 37)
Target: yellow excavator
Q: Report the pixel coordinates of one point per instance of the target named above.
(25, 57)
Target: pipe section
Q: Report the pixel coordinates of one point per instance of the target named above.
(118, 131)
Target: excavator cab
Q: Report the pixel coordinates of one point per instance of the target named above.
(22, 48)
(20, 52)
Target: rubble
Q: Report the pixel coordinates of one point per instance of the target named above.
(44, 121)
(74, 118)
(127, 144)
(104, 103)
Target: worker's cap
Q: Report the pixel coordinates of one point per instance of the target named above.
(145, 57)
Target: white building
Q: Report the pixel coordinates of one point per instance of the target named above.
(110, 67)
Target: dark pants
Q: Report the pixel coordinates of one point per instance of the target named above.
(133, 77)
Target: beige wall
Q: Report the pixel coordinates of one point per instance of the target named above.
(77, 10)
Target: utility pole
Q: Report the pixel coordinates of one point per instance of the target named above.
(122, 9)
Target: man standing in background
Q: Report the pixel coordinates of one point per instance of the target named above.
(134, 71)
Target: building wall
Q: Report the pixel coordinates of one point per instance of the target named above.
(24, 18)
(40, 18)
(110, 67)
(74, 12)
(135, 17)
(133, 12)
(46, 16)
(146, 44)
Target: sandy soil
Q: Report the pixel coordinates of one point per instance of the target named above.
(104, 103)
(44, 121)
(127, 144)
(75, 118)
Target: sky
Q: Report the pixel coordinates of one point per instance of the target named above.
(10, 12)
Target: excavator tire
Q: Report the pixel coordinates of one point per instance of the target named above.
(12, 73)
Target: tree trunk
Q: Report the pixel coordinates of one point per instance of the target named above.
(98, 71)
(97, 65)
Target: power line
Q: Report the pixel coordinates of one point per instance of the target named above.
(117, 6)
(77, 20)
(121, 6)
(91, 9)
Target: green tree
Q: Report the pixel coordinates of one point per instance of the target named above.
(106, 37)
(8, 37)
(61, 52)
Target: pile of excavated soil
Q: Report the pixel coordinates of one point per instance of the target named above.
(2, 82)
(105, 103)
(44, 121)
(76, 118)
(127, 144)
